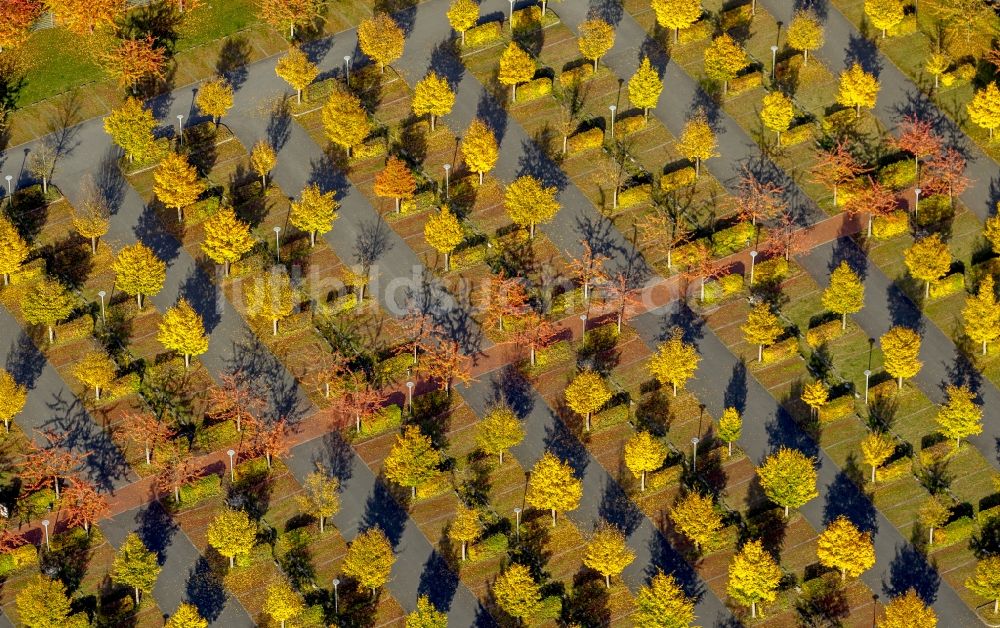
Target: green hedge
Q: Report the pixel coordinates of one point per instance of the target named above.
(483, 34)
(121, 387)
(838, 121)
(77, 329)
(660, 479)
(394, 369)
(888, 227)
(529, 17)
(549, 610)
(898, 176)
(586, 140)
(781, 350)
(385, 419)
(631, 124)
(836, 409)
(467, 258)
(907, 27)
(198, 491)
(824, 333)
(18, 558)
(772, 270)
(437, 485)
(946, 286)
(556, 353)
(959, 76)
(985, 516)
(490, 547)
(369, 149)
(702, 29)
(894, 471)
(578, 74)
(959, 530)
(635, 195)
(562, 303)
(888, 388)
(745, 83)
(687, 254)
(797, 135)
(732, 239)
(678, 179)
(718, 289)
(532, 90)
(609, 418)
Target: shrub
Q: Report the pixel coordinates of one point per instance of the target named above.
(678, 179)
(635, 195)
(212, 437)
(344, 303)
(29, 272)
(933, 209)
(888, 227)
(197, 491)
(949, 285)
(549, 610)
(686, 254)
(959, 530)
(837, 122)
(731, 283)
(735, 17)
(745, 83)
(77, 329)
(895, 470)
(797, 134)
(907, 27)
(576, 75)
(836, 408)
(394, 369)
(467, 258)
(563, 303)
(610, 417)
(985, 516)
(440, 483)
(898, 175)
(781, 350)
(487, 548)
(534, 89)
(18, 558)
(660, 479)
(888, 388)
(824, 333)
(385, 419)
(586, 140)
(772, 270)
(555, 353)
(483, 34)
(201, 210)
(732, 239)
(631, 124)
(527, 18)
(702, 29)
(121, 387)
(374, 147)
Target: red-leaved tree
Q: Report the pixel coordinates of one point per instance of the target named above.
(145, 428)
(270, 440)
(234, 400)
(504, 298)
(536, 333)
(836, 167)
(875, 199)
(84, 505)
(18, 17)
(945, 174)
(918, 138)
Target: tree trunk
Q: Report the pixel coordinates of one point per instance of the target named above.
(642, 482)
(588, 421)
(753, 609)
(298, 96)
(984, 347)
(45, 185)
(543, 8)
(927, 289)
(397, 204)
(835, 196)
(447, 262)
(137, 596)
(553, 517)
(697, 167)
(857, 111)
(321, 520)
(501, 458)
(899, 383)
(930, 536)
(52, 335)
(463, 550)
(226, 263)
(873, 474)
(148, 454)
(93, 245)
(463, 36)
(760, 353)
(432, 122)
(357, 423)
(607, 580)
(413, 492)
(595, 66)
(180, 214)
(675, 388)
(565, 142)
(531, 234)
(274, 327)
(786, 512)
(263, 183)
(480, 177)
(97, 392)
(6, 425)
(138, 299)
(230, 562)
(532, 355)
(177, 494)
(6, 279)
(843, 321)
(513, 93)
(676, 30)
(312, 238)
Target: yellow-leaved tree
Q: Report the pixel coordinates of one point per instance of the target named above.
(586, 394)
(528, 203)
(48, 303)
(131, 128)
(663, 604)
(381, 38)
(395, 181)
(607, 553)
(320, 495)
(730, 427)
(479, 148)
(465, 527)
(283, 603)
(724, 60)
(262, 160)
(12, 398)
(876, 448)
(516, 592)
(981, 314)
(857, 89)
(93, 220)
(182, 330)
(13, 249)
(463, 15)
(139, 272)
(42, 603)
(444, 232)
(985, 581)
(432, 96)
(232, 533)
(753, 576)
(884, 14)
(186, 616)
(845, 294)
(928, 259)
(345, 121)
(314, 212)
(516, 66)
(176, 183)
(644, 453)
(135, 566)
(215, 98)
(596, 38)
(762, 328)
(961, 416)
(426, 615)
(788, 478)
(697, 141)
(297, 70)
(499, 430)
(413, 460)
(644, 87)
(777, 112)
(95, 370)
(369, 559)
(675, 361)
(984, 108)
(676, 14)
(815, 395)
(805, 33)
(901, 353)
(842, 546)
(907, 611)
(937, 64)
(694, 515)
(271, 297)
(227, 238)
(553, 486)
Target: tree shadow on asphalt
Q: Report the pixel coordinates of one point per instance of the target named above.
(565, 445)
(25, 362)
(438, 581)
(735, 395)
(261, 369)
(382, 510)
(156, 528)
(844, 498)
(336, 456)
(232, 62)
(911, 570)
(490, 110)
(104, 464)
(618, 509)
(204, 590)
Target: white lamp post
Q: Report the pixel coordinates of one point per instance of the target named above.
(753, 260)
(180, 128)
(774, 58)
(916, 201)
(277, 243)
(517, 526)
(409, 395)
(336, 601)
(613, 108)
(103, 294)
(10, 188)
(511, 18)
(347, 65)
(583, 327)
(447, 181)
(232, 470)
(694, 453)
(868, 374)
(45, 524)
